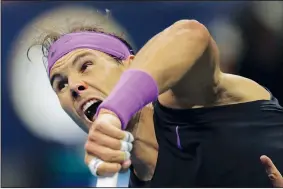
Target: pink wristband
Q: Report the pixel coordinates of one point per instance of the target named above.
(134, 90)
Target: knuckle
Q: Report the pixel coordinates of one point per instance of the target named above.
(89, 147)
(99, 125)
(118, 167)
(104, 155)
(102, 169)
(93, 136)
(113, 157)
(118, 145)
(92, 130)
(109, 169)
(100, 121)
(110, 158)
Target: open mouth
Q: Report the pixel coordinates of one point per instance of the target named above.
(90, 108)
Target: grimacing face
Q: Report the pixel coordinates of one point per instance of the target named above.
(82, 79)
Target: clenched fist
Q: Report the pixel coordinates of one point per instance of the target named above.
(108, 147)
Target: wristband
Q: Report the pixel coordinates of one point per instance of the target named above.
(134, 90)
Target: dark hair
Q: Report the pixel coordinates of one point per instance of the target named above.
(49, 39)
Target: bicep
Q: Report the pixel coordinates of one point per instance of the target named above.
(172, 52)
(198, 82)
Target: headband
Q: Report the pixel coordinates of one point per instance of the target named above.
(92, 40)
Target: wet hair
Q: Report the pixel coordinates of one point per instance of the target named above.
(50, 38)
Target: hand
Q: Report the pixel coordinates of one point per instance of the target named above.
(109, 143)
(272, 172)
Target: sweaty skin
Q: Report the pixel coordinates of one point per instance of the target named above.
(184, 61)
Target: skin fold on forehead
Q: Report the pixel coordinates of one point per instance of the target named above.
(103, 42)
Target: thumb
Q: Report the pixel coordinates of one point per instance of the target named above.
(108, 116)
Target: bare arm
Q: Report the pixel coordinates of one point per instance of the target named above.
(170, 55)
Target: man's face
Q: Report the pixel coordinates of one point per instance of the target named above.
(82, 79)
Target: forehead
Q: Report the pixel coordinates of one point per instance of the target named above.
(75, 55)
(70, 57)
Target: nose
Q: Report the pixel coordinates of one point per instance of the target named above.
(78, 88)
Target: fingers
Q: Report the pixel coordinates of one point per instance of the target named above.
(108, 129)
(107, 169)
(109, 145)
(100, 168)
(128, 137)
(106, 154)
(272, 172)
(112, 143)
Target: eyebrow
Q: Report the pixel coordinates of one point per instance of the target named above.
(73, 63)
(80, 56)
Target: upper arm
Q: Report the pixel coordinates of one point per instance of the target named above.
(200, 79)
(178, 59)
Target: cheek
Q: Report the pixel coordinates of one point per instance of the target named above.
(65, 103)
(109, 69)
(107, 75)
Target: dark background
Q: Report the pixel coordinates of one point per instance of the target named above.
(249, 35)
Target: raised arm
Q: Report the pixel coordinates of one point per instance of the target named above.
(169, 55)
(183, 60)
(177, 62)
(172, 62)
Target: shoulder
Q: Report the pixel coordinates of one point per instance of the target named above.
(244, 88)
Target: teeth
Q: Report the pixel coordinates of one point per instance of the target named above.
(88, 104)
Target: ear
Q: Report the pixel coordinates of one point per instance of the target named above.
(128, 61)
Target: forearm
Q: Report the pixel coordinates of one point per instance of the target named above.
(158, 66)
(169, 55)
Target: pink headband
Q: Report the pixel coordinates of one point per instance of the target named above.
(91, 40)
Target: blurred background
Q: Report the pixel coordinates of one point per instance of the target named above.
(40, 144)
